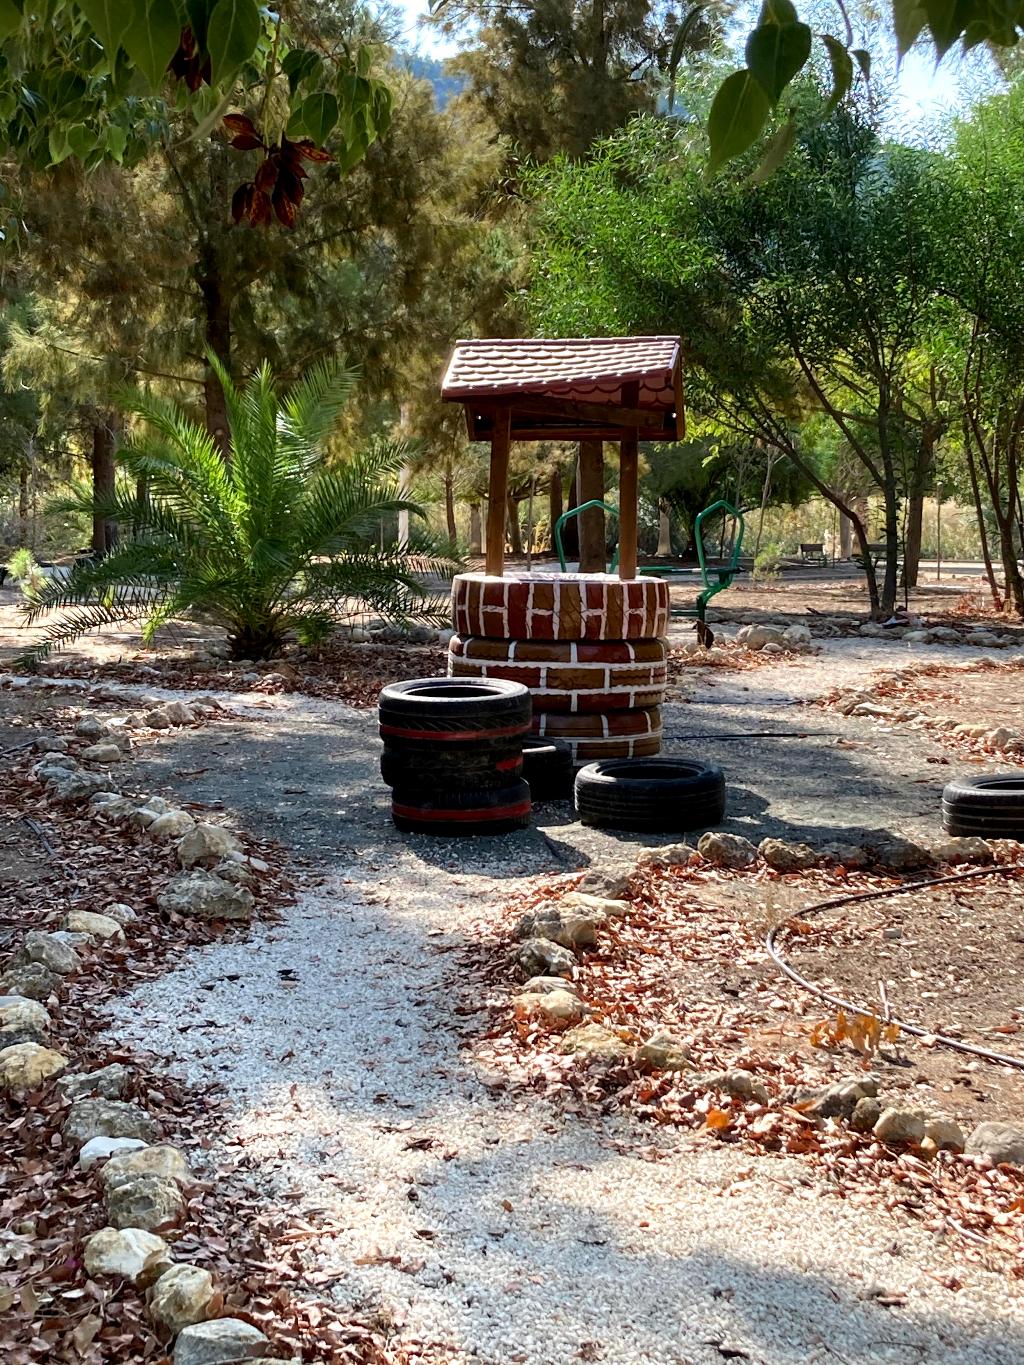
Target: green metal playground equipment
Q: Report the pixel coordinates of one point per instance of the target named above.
(715, 578)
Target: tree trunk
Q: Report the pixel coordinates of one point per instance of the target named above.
(141, 498)
(589, 487)
(845, 537)
(912, 548)
(476, 534)
(449, 505)
(404, 480)
(664, 529)
(217, 306)
(24, 469)
(979, 512)
(104, 531)
(555, 507)
(515, 534)
(1011, 566)
(571, 529)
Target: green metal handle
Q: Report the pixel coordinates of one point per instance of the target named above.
(734, 558)
(575, 512)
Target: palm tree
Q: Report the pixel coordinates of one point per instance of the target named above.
(266, 542)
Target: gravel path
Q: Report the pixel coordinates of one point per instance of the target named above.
(482, 1223)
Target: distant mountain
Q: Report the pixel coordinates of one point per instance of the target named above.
(431, 69)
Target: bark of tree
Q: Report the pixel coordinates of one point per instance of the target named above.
(24, 470)
(104, 443)
(571, 529)
(590, 486)
(217, 307)
(555, 507)
(449, 504)
(912, 543)
(475, 529)
(664, 529)
(515, 533)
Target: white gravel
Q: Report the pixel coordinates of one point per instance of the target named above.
(521, 1236)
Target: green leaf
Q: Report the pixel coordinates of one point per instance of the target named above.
(775, 53)
(777, 12)
(908, 20)
(109, 19)
(842, 70)
(117, 140)
(737, 116)
(59, 147)
(81, 140)
(298, 64)
(863, 59)
(318, 115)
(778, 149)
(10, 19)
(232, 35)
(946, 21)
(151, 38)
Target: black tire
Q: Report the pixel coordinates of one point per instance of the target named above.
(432, 711)
(547, 767)
(655, 794)
(462, 813)
(432, 769)
(991, 806)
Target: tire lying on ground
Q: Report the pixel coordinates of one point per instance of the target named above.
(560, 607)
(493, 810)
(569, 675)
(443, 711)
(990, 806)
(659, 794)
(547, 768)
(489, 764)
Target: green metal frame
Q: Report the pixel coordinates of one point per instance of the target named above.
(715, 580)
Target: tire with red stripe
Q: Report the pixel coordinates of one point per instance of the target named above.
(560, 607)
(440, 712)
(614, 734)
(569, 675)
(456, 814)
(425, 769)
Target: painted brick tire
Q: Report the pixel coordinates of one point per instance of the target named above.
(427, 768)
(447, 711)
(560, 607)
(547, 767)
(990, 806)
(463, 812)
(569, 675)
(615, 734)
(657, 795)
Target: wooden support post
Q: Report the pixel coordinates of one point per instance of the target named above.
(497, 495)
(590, 487)
(628, 494)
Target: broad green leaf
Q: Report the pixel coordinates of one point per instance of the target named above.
(10, 19)
(198, 12)
(863, 60)
(842, 70)
(777, 12)
(232, 35)
(775, 53)
(117, 140)
(81, 140)
(737, 116)
(109, 19)
(946, 21)
(151, 38)
(298, 64)
(319, 114)
(59, 147)
(908, 20)
(778, 149)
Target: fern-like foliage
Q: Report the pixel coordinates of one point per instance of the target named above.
(263, 543)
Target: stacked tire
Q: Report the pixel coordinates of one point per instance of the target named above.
(590, 648)
(989, 806)
(453, 755)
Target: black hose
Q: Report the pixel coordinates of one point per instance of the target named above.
(764, 734)
(972, 1048)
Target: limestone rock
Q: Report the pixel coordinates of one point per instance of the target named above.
(238, 874)
(48, 951)
(600, 907)
(105, 752)
(22, 1021)
(179, 714)
(205, 845)
(541, 957)
(876, 710)
(866, 1113)
(163, 1160)
(96, 926)
(900, 1125)
(967, 849)
(129, 1253)
(757, 637)
(219, 1341)
(31, 979)
(89, 1118)
(739, 1083)
(157, 719)
(1000, 1142)
(595, 1043)
(172, 825)
(51, 744)
(568, 929)
(538, 985)
(797, 634)
(726, 850)
(850, 856)
(849, 702)
(785, 857)
(900, 855)
(201, 895)
(79, 786)
(148, 1202)
(611, 880)
(665, 1053)
(946, 635)
(918, 637)
(557, 1008)
(840, 1098)
(668, 855)
(90, 727)
(117, 910)
(184, 1294)
(100, 1148)
(26, 1066)
(1000, 737)
(946, 1134)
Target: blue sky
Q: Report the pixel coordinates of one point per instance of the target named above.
(926, 94)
